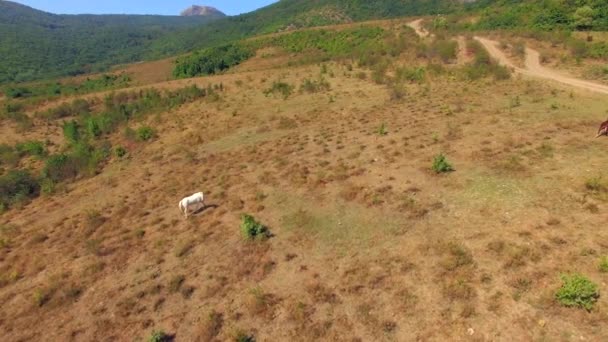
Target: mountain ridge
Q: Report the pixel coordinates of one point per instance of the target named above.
(206, 11)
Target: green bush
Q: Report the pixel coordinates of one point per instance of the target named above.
(411, 74)
(59, 167)
(281, 88)
(145, 133)
(315, 86)
(577, 291)
(159, 336)
(71, 132)
(445, 49)
(32, 148)
(120, 152)
(441, 164)
(251, 229)
(16, 186)
(212, 60)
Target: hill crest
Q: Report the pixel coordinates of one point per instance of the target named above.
(196, 10)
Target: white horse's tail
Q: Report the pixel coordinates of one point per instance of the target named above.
(181, 206)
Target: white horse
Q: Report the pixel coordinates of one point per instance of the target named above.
(196, 200)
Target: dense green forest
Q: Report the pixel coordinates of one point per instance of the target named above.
(542, 14)
(35, 44)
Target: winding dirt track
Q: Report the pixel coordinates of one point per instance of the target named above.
(532, 68)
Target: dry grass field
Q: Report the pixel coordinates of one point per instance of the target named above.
(368, 243)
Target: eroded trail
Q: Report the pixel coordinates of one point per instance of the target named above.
(533, 68)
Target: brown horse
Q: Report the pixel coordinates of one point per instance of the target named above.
(603, 129)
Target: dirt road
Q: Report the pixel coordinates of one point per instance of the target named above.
(533, 68)
(417, 26)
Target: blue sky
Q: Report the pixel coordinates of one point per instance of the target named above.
(173, 7)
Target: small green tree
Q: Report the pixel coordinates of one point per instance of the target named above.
(583, 18)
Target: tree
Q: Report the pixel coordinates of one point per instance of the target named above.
(583, 18)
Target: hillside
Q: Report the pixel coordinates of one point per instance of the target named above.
(39, 45)
(35, 44)
(362, 183)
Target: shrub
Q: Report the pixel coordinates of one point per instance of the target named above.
(17, 185)
(500, 72)
(282, 88)
(596, 185)
(577, 291)
(145, 133)
(212, 60)
(252, 229)
(445, 49)
(32, 148)
(441, 164)
(159, 336)
(603, 266)
(71, 132)
(59, 167)
(120, 152)
(411, 74)
(382, 130)
(312, 86)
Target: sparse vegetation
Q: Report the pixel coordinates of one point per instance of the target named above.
(281, 88)
(382, 130)
(577, 291)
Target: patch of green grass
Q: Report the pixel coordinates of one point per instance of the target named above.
(441, 164)
(577, 291)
